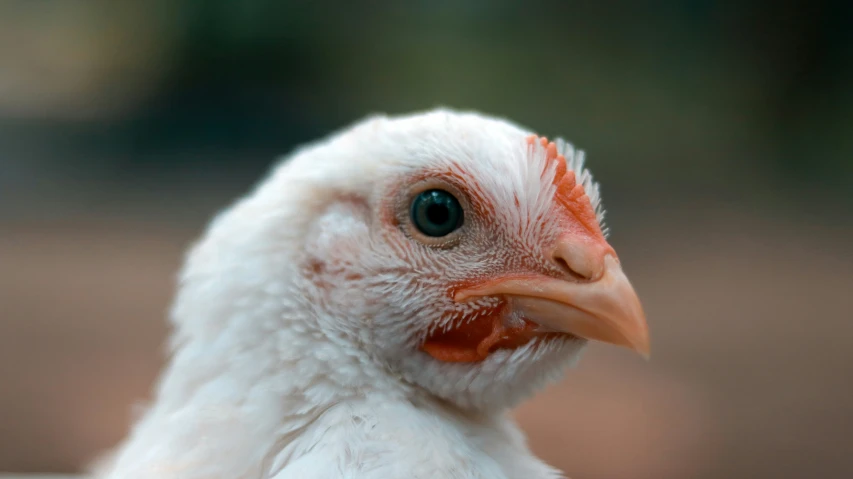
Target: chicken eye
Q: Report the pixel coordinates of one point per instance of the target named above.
(436, 213)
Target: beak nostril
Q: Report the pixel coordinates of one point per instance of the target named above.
(580, 260)
(574, 274)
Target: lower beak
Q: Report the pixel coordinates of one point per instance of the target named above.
(606, 309)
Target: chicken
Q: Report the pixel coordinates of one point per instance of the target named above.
(374, 308)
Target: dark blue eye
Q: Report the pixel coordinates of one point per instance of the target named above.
(436, 213)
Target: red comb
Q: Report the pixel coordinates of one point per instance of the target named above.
(570, 194)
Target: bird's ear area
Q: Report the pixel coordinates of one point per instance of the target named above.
(570, 195)
(336, 238)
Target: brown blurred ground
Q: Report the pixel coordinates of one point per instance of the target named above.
(750, 374)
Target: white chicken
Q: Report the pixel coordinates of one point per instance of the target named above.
(374, 308)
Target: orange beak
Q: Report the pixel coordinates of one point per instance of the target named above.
(601, 306)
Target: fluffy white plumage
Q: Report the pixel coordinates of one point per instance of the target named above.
(299, 315)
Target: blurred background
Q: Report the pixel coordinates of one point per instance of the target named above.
(722, 135)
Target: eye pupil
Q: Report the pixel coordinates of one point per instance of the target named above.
(436, 213)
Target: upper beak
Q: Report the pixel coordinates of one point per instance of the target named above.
(604, 307)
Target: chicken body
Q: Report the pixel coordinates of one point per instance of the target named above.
(378, 303)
